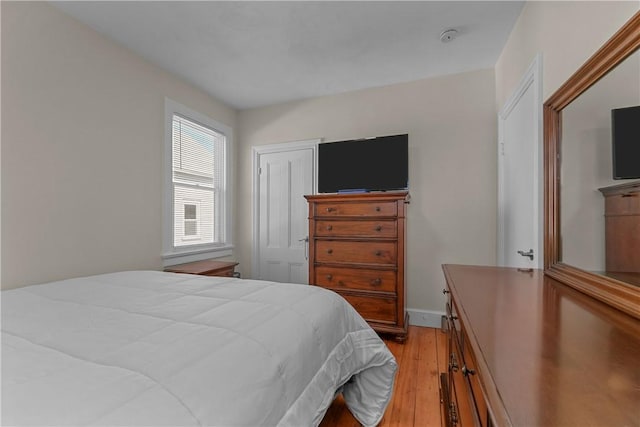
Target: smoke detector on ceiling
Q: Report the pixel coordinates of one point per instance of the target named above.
(447, 35)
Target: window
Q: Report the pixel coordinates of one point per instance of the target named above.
(197, 158)
(191, 217)
(196, 209)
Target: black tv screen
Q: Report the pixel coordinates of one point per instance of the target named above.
(625, 138)
(375, 164)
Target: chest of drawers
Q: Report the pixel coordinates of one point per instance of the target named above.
(357, 248)
(622, 227)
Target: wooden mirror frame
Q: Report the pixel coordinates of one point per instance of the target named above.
(618, 294)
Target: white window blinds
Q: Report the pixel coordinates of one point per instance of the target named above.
(198, 182)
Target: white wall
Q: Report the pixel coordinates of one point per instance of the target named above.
(451, 124)
(82, 144)
(567, 34)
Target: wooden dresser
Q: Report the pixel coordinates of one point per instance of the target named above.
(357, 248)
(207, 267)
(622, 227)
(526, 350)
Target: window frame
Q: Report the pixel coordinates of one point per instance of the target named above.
(172, 254)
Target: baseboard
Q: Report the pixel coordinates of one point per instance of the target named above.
(425, 318)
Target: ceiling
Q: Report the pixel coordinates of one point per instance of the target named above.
(251, 54)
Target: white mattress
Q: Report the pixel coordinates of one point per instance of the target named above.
(152, 348)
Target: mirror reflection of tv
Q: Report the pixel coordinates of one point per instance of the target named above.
(625, 142)
(361, 165)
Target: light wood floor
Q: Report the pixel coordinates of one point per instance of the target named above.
(416, 395)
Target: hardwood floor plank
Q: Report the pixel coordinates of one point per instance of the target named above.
(428, 390)
(404, 399)
(333, 413)
(416, 399)
(441, 341)
(443, 363)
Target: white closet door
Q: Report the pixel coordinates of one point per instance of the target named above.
(284, 179)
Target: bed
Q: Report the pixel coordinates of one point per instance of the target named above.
(153, 348)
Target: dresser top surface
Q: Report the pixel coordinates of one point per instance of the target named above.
(628, 186)
(553, 355)
(364, 197)
(201, 267)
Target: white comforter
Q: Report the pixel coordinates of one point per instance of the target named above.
(152, 348)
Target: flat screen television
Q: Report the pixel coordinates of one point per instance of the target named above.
(625, 142)
(373, 164)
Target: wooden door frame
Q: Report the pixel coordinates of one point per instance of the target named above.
(532, 78)
(257, 151)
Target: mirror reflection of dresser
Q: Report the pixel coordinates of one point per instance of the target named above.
(622, 231)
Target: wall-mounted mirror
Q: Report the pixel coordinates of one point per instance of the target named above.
(578, 172)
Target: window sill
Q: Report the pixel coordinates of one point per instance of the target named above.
(191, 255)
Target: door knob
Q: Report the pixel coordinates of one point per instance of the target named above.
(306, 246)
(527, 254)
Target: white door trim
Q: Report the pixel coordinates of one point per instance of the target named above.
(531, 78)
(274, 148)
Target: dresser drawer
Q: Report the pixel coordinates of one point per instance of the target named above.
(376, 309)
(345, 252)
(622, 245)
(355, 278)
(467, 415)
(622, 204)
(474, 381)
(357, 228)
(356, 209)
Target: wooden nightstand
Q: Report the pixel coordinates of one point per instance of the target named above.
(208, 267)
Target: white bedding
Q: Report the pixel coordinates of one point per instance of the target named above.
(152, 348)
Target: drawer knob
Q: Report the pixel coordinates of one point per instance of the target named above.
(329, 277)
(329, 251)
(377, 208)
(376, 282)
(330, 209)
(466, 371)
(329, 227)
(379, 228)
(378, 253)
